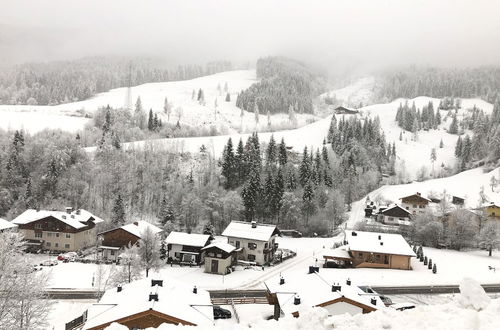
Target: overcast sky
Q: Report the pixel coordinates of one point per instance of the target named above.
(351, 33)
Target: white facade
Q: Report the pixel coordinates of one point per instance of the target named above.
(252, 250)
(342, 307)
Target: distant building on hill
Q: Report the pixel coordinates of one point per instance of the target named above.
(394, 215)
(415, 203)
(69, 230)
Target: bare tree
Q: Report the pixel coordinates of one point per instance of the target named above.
(129, 268)
(149, 251)
(489, 237)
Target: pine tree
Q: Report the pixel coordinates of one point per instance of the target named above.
(240, 164)
(433, 158)
(308, 206)
(163, 250)
(271, 152)
(226, 87)
(278, 191)
(458, 148)
(249, 195)
(228, 165)
(282, 155)
(453, 126)
(228, 97)
(401, 136)
(256, 112)
(118, 212)
(291, 180)
(166, 212)
(151, 120)
(441, 144)
(305, 168)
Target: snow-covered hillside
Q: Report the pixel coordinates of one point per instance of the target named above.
(359, 91)
(179, 93)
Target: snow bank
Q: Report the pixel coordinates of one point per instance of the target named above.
(454, 315)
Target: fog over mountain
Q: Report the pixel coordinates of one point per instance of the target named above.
(362, 34)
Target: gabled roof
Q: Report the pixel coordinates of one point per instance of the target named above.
(262, 232)
(197, 240)
(419, 196)
(226, 247)
(76, 219)
(4, 224)
(175, 299)
(370, 242)
(138, 228)
(490, 204)
(394, 209)
(316, 290)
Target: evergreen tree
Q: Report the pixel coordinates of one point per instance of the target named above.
(151, 120)
(249, 195)
(308, 206)
(441, 144)
(271, 152)
(118, 212)
(166, 212)
(458, 148)
(228, 97)
(291, 180)
(453, 126)
(163, 250)
(228, 165)
(305, 168)
(282, 155)
(256, 112)
(278, 191)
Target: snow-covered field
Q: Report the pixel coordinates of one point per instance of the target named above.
(64, 311)
(179, 93)
(359, 91)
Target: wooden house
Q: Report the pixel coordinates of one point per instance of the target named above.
(292, 292)
(491, 210)
(219, 257)
(69, 230)
(149, 303)
(184, 247)
(255, 243)
(114, 240)
(394, 215)
(415, 204)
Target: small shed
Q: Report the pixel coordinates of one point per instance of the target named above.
(219, 257)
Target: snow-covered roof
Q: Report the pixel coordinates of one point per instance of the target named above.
(261, 232)
(198, 240)
(370, 242)
(4, 224)
(395, 206)
(490, 204)
(76, 218)
(138, 228)
(419, 196)
(315, 289)
(175, 299)
(221, 245)
(340, 252)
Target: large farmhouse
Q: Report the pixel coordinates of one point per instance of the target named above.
(69, 230)
(372, 250)
(149, 303)
(114, 240)
(254, 242)
(186, 247)
(415, 203)
(291, 292)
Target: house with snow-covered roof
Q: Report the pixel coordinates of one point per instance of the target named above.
(6, 225)
(378, 250)
(149, 303)
(394, 215)
(491, 210)
(292, 292)
(341, 110)
(69, 230)
(416, 203)
(255, 243)
(219, 257)
(186, 247)
(114, 240)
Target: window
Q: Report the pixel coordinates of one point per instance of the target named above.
(38, 235)
(407, 207)
(360, 254)
(177, 254)
(49, 234)
(414, 206)
(112, 252)
(265, 246)
(68, 235)
(237, 244)
(219, 255)
(252, 246)
(66, 246)
(57, 234)
(38, 226)
(420, 206)
(48, 244)
(57, 244)
(251, 257)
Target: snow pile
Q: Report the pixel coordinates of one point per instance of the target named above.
(454, 315)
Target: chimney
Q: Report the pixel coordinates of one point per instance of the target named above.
(348, 282)
(69, 209)
(336, 288)
(379, 237)
(282, 280)
(195, 290)
(254, 224)
(78, 212)
(381, 243)
(418, 194)
(296, 300)
(119, 289)
(64, 216)
(157, 282)
(354, 233)
(136, 223)
(153, 297)
(373, 301)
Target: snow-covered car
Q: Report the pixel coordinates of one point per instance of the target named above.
(49, 263)
(221, 313)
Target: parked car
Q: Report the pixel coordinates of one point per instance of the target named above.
(49, 263)
(221, 313)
